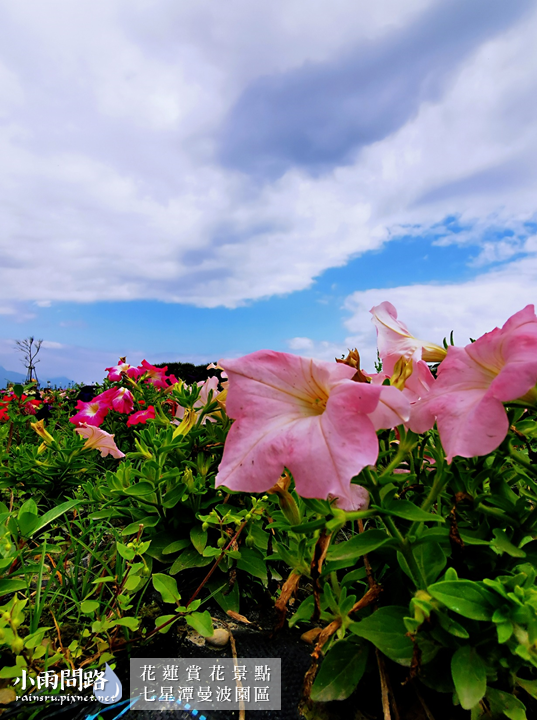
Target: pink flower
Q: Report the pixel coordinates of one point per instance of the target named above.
(419, 383)
(100, 440)
(473, 383)
(142, 416)
(155, 376)
(206, 386)
(122, 400)
(92, 413)
(306, 415)
(356, 499)
(395, 341)
(414, 387)
(115, 373)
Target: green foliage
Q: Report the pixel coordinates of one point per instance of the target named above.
(447, 553)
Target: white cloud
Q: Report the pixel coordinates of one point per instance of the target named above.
(300, 343)
(109, 185)
(318, 349)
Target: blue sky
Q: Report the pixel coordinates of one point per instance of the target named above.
(194, 181)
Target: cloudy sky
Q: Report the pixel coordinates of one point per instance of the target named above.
(198, 180)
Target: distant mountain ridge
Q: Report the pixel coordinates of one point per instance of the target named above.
(16, 377)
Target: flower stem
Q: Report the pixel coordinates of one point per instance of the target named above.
(404, 545)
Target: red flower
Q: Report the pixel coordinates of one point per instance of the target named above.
(142, 416)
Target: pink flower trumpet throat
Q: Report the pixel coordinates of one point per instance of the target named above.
(306, 415)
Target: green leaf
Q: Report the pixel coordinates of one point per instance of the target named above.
(469, 676)
(211, 552)
(509, 705)
(340, 672)
(19, 390)
(408, 511)
(430, 559)
(504, 630)
(252, 562)
(530, 686)
(147, 522)
(28, 507)
(171, 498)
(464, 597)
(53, 514)
(163, 619)
(452, 626)
(308, 526)
(11, 585)
(260, 536)
(132, 582)
(227, 600)
(176, 546)
(189, 559)
(357, 546)
(304, 611)
(503, 544)
(201, 622)
(129, 622)
(126, 552)
(167, 587)
(33, 640)
(27, 523)
(198, 538)
(141, 488)
(88, 607)
(105, 514)
(385, 628)
(472, 539)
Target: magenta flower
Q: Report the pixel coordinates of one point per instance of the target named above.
(122, 400)
(142, 416)
(303, 414)
(473, 383)
(155, 376)
(92, 413)
(395, 341)
(115, 373)
(99, 440)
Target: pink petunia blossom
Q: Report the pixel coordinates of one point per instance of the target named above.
(142, 416)
(155, 376)
(356, 499)
(473, 383)
(99, 440)
(414, 387)
(395, 341)
(306, 415)
(92, 412)
(115, 373)
(122, 400)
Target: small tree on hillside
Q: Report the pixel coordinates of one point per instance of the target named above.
(30, 348)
